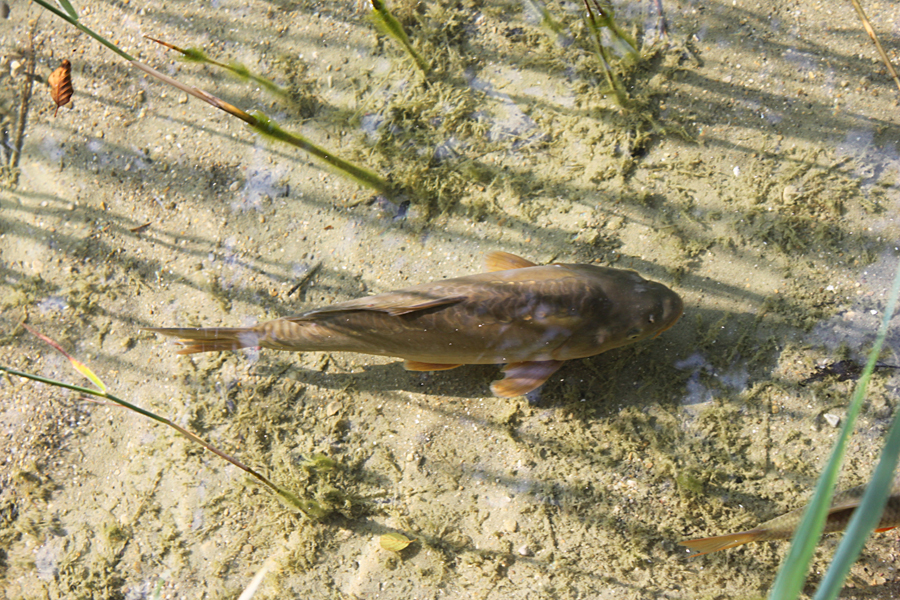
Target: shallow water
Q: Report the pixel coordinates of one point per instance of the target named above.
(773, 215)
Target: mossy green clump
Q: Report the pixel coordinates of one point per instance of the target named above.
(26, 291)
(426, 138)
(263, 412)
(689, 484)
(301, 89)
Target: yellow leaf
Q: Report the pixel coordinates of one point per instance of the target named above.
(79, 366)
(84, 370)
(395, 542)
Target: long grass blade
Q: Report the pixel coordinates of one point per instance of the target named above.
(258, 120)
(865, 517)
(67, 6)
(539, 12)
(310, 508)
(869, 512)
(76, 364)
(72, 19)
(199, 56)
(792, 574)
(390, 26)
(604, 57)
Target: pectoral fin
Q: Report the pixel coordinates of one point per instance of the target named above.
(414, 365)
(504, 261)
(523, 377)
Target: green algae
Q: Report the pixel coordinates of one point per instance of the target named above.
(589, 439)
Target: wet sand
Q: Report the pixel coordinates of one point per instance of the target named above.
(754, 171)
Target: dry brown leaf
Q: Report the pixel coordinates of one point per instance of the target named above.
(60, 82)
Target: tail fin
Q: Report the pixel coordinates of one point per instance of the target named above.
(722, 542)
(215, 339)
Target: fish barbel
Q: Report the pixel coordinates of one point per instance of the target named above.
(533, 318)
(782, 528)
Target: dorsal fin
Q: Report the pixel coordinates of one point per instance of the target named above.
(504, 261)
(393, 303)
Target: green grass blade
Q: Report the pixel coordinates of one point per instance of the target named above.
(538, 10)
(391, 27)
(621, 40)
(258, 121)
(67, 6)
(266, 126)
(869, 512)
(865, 517)
(197, 55)
(310, 508)
(793, 570)
(73, 20)
(68, 386)
(604, 57)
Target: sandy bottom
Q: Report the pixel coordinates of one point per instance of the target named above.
(754, 170)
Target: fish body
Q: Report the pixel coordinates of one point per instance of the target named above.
(782, 528)
(533, 318)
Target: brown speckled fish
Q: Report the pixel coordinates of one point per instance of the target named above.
(782, 528)
(533, 318)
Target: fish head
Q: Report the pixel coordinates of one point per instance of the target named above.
(624, 308)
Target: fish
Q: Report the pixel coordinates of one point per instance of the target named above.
(530, 318)
(782, 528)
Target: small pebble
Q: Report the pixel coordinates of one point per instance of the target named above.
(510, 525)
(790, 193)
(525, 551)
(831, 419)
(333, 408)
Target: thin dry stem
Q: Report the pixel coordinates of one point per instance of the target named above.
(868, 27)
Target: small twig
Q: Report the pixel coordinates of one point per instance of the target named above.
(304, 278)
(27, 87)
(141, 228)
(871, 32)
(663, 28)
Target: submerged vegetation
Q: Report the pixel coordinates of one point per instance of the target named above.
(439, 124)
(618, 152)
